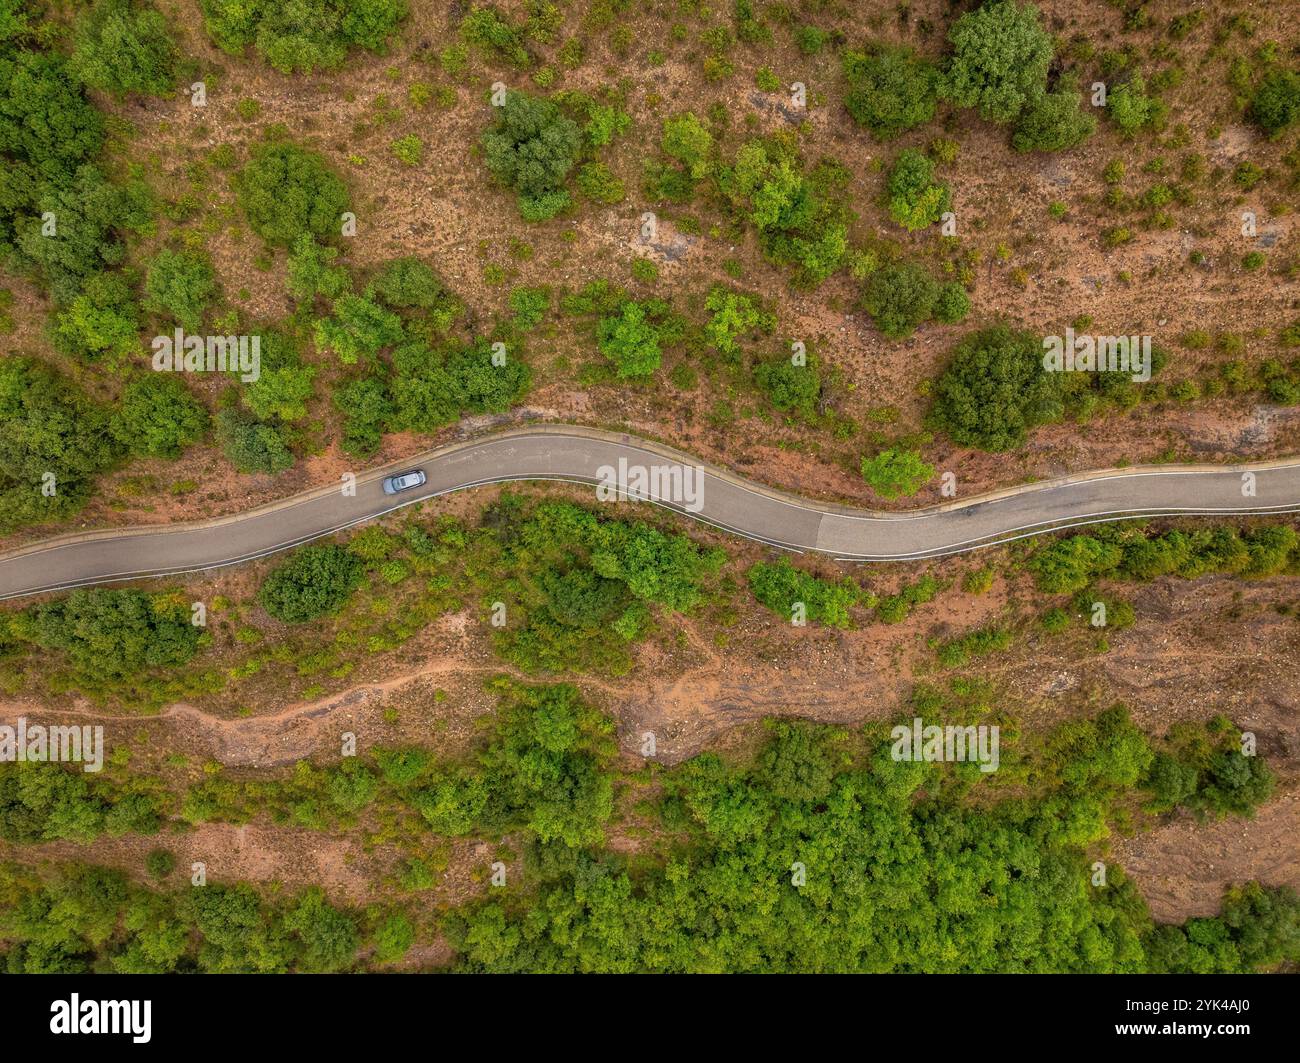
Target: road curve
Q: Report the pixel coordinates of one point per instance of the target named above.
(570, 453)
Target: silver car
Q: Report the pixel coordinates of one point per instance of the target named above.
(403, 481)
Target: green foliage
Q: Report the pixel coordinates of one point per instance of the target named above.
(633, 338)
(181, 285)
(891, 90)
(316, 581)
(47, 426)
(91, 215)
(288, 192)
(1258, 929)
(915, 200)
(903, 295)
(45, 118)
(103, 321)
(1205, 769)
(995, 389)
(488, 29)
(1275, 106)
(1131, 109)
(304, 36)
(251, 445)
(781, 587)
(284, 384)
(359, 328)
(581, 587)
(790, 387)
(598, 183)
(432, 388)
(366, 405)
(409, 284)
(158, 417)
(408, 150)
(895, 472)
(124, 46)
(312, 271)
(733, 315)
(1000, 60)
(547, 769)
(1073, 563)
(688, 140)
(1054, 121)
(532, 148)
(799, 221)
(529, 306)
(110, 634)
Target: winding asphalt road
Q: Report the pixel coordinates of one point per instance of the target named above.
(563, 452)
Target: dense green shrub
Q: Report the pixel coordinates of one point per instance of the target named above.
(1275, 106)
(915, 199)
(110, 634)
(284, 384)
(288, 192)
(891, 90)
(158, 416)
(180, 285)
(48, 428)
(91, 215)
(800, 220)
(781, 587)
(634, 337)
(995, 389)
(790, 387)
(316, 581)
(432, 388)
(1054, 121)
(1131, 109)
(102, 321)
(895, 472)
(124, 46)
(902, 295)
(251, 445)
(532, 147)
(305, 35)
(1000, 60)
(45, 118)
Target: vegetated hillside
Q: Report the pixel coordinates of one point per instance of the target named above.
(724, 228)
(773, 224)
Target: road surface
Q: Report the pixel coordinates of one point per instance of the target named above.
(562, 452)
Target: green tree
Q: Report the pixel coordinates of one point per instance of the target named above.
(895, 472)
(124, 46)
(159, 417)
(1054, 122)
(287, 191)
(788, 386)
(1275, 106)
(532, 148)
(915, 199)
(102, 321)
(251, 445)
(316, 581)
(181, 285)
(995, 389)
(891, 90)
(1000, 60)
